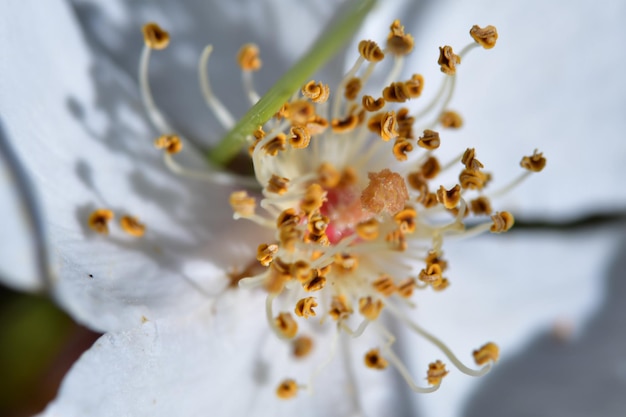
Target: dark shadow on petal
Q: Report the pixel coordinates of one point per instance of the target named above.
(559, 378)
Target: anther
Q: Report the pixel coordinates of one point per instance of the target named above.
(99, 220)
(451, 120)
(486, 353)
(470, 161)
(352, 88)
(434, 258)
(339, 308)
(370, 51)
(436, 372)
(171, 143)
(132, 226)
(275, 145)
(535, 163)
(370, 104)
(286, 325)
(316, 92)
(155, 37)
(448, 60)
(480, 206)
(367, 230)
(398, 42)
(329, 177)
(301, 271)
(384, 125)
(396, 240)
(287, 389)
(406, 287)
(344, 125)
(473, 180)
(301, 346)
(430, 140)
(287, 217)
(315, 284)
(431, 274)
(277, 185)
(373, 360)
(304, 307)
(370, 308)
(430, 168)
(313, 198)
(265, 253)
(401, 148)
(406, 219)
(449, 198)
(384, 285)
(243, 205)
(248, 57)
(485, 37)
(502, 221)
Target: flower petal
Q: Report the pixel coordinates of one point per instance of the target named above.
(76, 125)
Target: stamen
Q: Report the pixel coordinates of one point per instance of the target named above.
(373, 360)
(485, 37)
(132, 226)
(99, 220)
(487, 353)
(302, 346)
(287, 389)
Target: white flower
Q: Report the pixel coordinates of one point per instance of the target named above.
(193, 356)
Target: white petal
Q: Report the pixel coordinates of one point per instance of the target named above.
(222, 361)
(79, 131)
(516, 287)
(554, 84)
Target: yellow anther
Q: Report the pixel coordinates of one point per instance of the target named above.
(313, 198)
(406, 287)
(384, 125)
(398, 42)
(132, 226)
(386, 192)
(352, 88)
(368, 230)
(396, 240)
(287, 217)
(384, 285)
(430, 140)
(242, 203)
(345, 262)
(481, 206)
(535, 163)
(300, 137)
(287, 389)
(448, 60)
(430, 168)
(373, 360)
(485, 37)
(470, 161)
(317, 224)
(435, 258)
(300, 112)
(316, 125)
(429, 200)
(339, 308)
(277, 144)
(473, 180)
(417, 181)
(406, 219)
(405, 123)
(277, 185)
(155, 37)
(401, 91)
(451, 120)
(316, 92)
(289, 236)
(371, 51)
(344, 125)
(502, 221)
(372, 105)
(370, 308)
(248, 57)
(442, 285)
(449, 198)
(329, 177)
(304, 307)
(171, 143)
(431, 275)
(348, 177)
(286, 325)
(301, 271)
(436, 372)
(265, 253)
(301, 346)
(487, 353)
(99, 220)
(314, 284)
(401, 148)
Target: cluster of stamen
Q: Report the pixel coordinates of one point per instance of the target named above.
(99, 220)
(351, 186)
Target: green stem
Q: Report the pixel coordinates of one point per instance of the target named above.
(323, 49)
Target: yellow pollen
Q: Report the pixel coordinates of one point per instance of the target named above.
(345, 263)
(430, 168)
(329, 177)
(441, 285)
(373, 360)
(248, 57)
(286, 325)
(451, 120)
(300, 137)
(487, 353)
(171, 143)
(277, 185)
(301, 271)
(396, 240)
(485, 37)
(406, 219)
(367, 230)
(384, 285)
(316, 92)
(313, 199)
(99, 220)
(287, 389)
(436, 372)
(242, 204)
(448, 60)
(502, 221)
(535, 163)
(406, 287)
(473, 180)
(434, 258)
(339, 308)
(431, 275)
(344, 125)
(370, 308)
(430, 140)
(265, 253)
(304, 307)
(352, 88)
(429, 200)
(401, 148)
(314, 284)
(470, 161)
(386, 192)
(481, 206)
(370, 104)
(398, 42)
(287, 217)
(277, 144)
(132, 226)
(449, 198)
(155, 37)
(302, 346)
(371, 51)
